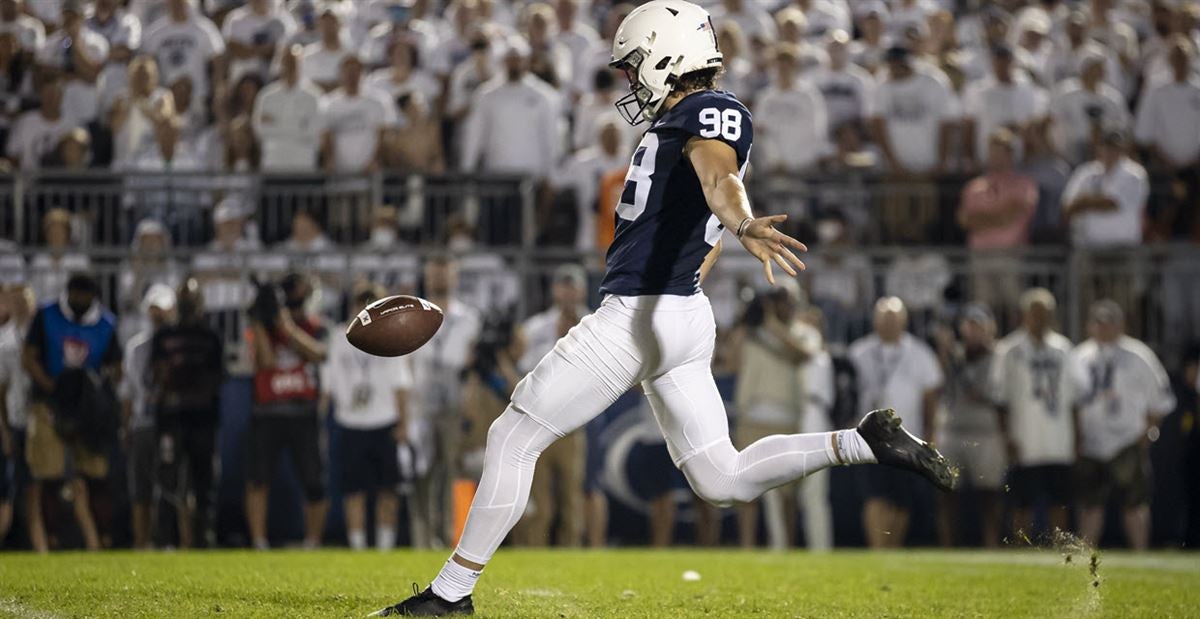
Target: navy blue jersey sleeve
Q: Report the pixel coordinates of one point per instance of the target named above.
(713, 114)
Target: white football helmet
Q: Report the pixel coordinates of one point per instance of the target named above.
(658, 42)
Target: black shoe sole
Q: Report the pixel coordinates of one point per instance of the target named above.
(929, 463)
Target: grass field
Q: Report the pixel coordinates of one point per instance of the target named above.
(618, 583)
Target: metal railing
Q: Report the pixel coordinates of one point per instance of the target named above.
(1158, 287)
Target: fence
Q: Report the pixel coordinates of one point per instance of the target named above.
(510, 264)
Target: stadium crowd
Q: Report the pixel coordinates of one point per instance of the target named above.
(991, 126)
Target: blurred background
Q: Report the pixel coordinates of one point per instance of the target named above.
(1002, 201)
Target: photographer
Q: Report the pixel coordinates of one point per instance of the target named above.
(287, 345)
(187, 365)
(72, 357)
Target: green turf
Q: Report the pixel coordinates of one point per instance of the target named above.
(619, 583)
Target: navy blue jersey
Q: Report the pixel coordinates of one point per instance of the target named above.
(664, 227)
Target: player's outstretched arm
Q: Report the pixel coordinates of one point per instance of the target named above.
(716, 166)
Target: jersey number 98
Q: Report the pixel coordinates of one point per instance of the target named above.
(724, 123)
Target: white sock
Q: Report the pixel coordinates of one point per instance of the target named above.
(357, 539)
(385, 538)
(455, 581)
(852, 449)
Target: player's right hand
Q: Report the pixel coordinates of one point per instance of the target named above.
(764, 242)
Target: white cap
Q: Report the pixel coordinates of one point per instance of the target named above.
(228, 210)
(161, 296)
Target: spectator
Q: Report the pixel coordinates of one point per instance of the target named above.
(581, 42)
(912, 113)
(288, 345)
(793, 119)
(309, 248)
(465, 24)
(548, 59)
(468, 76)
(149, 263)
(968, 432)
(1127, 395)
(1036, 394)
(895, 370)
(122, 30)
(597, 105)
(582, 171)
(70, 335)
(144, 122)
(186, 43)
(1112, 33)
(437, 367)
(253, 32)
(870, 52)
(908, 14)
(355, 121)
(772, 397)
(820, 380)
(416, 146)
(851, 153)
(847, 88)
(221, 269)
(141, 439)
(36, 132)
(839, 278)
(559, 478)
(751, 18)
(324, 61)
(187, 371)
(370, 402)
(15, 311)
(490, 377)
(287, 118)
(401, 26)
(403, 77)
(1105, 199)
(1083, 108)
(29, 31)
(1073, 46)
(76, 54)
(1166, 120)
(1050, 172)
(736, 67)
(998, 101)
(514, 124)
(50, 268)
(995, 212)
(73, 152)
(16, 82)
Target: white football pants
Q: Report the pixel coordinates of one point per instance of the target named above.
(665, 344)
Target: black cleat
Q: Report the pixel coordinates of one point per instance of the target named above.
(427, 604)
(894, 446)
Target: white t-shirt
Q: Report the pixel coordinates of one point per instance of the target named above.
(1072, 107)
(1125, 384)
(418, 81)
(1127, 185)
(846, 92)
(513, 127)
(245, 26)
(355, 122)
(1035, 384)
(363, 387)
(184, 48)
(896, 376)
(994, 105)
(321, 65)
(289, 122)
(913, 111)
(33, 137)
(1169, 118)
(794, 127)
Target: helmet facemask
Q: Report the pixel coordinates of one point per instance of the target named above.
(634, 106)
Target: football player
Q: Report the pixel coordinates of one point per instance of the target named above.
(655, 327)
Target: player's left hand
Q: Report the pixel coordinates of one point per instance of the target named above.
(764, 242)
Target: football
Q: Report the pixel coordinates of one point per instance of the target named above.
(394, 326)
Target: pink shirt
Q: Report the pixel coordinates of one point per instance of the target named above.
(994, 193)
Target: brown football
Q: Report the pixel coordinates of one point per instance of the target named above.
(394, 326)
